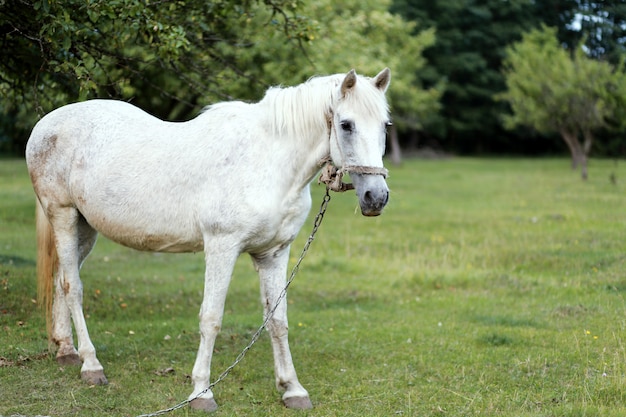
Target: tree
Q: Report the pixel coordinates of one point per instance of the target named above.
(553, 90)
(167, 56)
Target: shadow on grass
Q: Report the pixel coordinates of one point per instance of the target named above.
(16, 261)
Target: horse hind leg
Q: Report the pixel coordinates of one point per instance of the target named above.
(74, 239)
(67, 355)
(49, 275)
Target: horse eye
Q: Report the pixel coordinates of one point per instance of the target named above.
(388, 124)
(347, 126)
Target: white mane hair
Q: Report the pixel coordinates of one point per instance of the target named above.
(299, 110)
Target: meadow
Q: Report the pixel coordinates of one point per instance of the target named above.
(488, 287)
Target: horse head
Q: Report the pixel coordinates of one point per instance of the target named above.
(358, 121)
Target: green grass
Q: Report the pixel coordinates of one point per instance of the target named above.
(489, 287)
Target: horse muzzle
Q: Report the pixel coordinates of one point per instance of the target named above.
(372, 191)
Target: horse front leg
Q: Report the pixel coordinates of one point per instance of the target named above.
(272, 271)
(219, 268)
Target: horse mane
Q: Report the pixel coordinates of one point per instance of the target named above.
(299, 110)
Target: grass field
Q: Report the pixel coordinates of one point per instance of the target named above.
(489, 287)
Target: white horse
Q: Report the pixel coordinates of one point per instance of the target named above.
(234, 179)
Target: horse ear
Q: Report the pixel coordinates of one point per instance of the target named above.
(348, 83)
(382, 80)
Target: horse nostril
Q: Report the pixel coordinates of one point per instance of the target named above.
(379, 199)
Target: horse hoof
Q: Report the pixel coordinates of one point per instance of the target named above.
(203, 404)
(69, 360)
(94, 377)
(298, 403)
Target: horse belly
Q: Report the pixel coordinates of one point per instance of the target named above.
(136, 216)
(154, 235)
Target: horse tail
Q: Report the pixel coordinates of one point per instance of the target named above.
(47, 262)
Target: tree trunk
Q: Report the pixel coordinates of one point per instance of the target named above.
(578, 155)
(583, 166)
(396, 152)
(587, 144)
(588, 141)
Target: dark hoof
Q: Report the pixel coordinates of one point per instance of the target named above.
(69, 360)
(298, 403)
(208, 405)
(94, 377)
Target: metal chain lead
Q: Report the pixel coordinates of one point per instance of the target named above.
(316, 224)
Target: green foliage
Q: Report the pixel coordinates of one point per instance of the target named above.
(550, 90)
(172, 58)
(488, 287)
(471, 40)
(168, 57)
(529, 85)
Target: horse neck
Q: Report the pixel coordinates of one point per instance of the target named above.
(299, 117)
